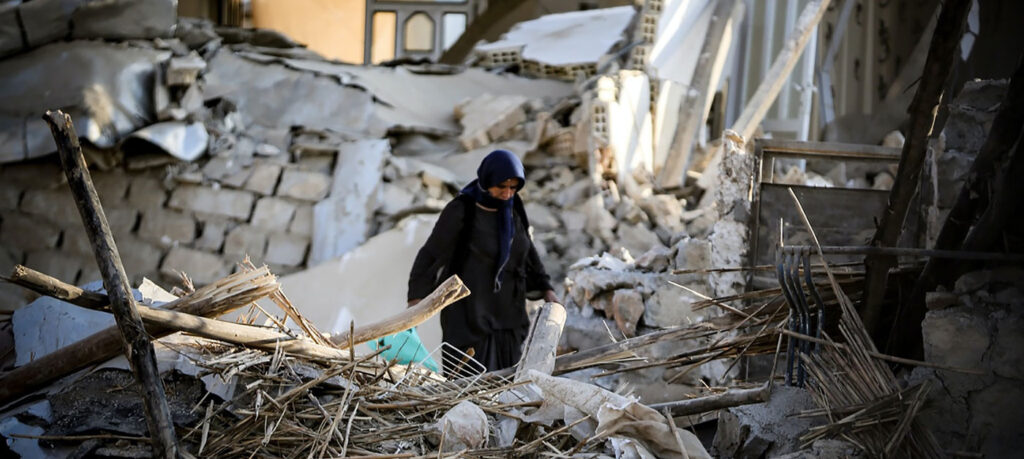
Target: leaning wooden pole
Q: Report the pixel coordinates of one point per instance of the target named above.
(697, 102)
(134, 340)
(450, 291)
(941, 56)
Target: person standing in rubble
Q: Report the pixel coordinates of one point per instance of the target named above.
(481, 235)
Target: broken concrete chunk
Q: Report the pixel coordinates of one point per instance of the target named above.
(658, 259)
(671, 306)
(124, 19)
(541, 217)
(66, 324)
(465, 426)
(287, 249)
(627, 307)
(225, 202)
(575, 193)
(766, 429)
(600, 222)
(940, 300)
(957, 337)
(692, 253)
(637, 239)
(202, 267)
(273, 214)
(665, 211)
(304, 185)
(485, 119)
(183, 71)
(1005, 356)
(268, 93)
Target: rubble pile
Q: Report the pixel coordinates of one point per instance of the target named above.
(211, 144)
(231, 400)
(976, 325)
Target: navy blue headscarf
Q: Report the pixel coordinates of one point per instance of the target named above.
(498, 166)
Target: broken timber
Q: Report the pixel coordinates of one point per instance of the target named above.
(697, 102)
(542, 342)
(227, 294)
(922, 110)
(244, 335)
(762, 100)
(134, 339)
(450, 291)
(727, 399)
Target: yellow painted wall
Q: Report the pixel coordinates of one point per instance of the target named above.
(333, 28)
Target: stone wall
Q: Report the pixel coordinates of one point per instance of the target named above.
(978, 326)
(166, 219)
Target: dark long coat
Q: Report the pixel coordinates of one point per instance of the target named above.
(464, 241)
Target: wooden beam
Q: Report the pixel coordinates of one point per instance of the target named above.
(450, 291)
(1006, 129)
(757, 107)
(134, 339)
(244, 335)
(727, 399)
(52, 287)
(227, 294)
(697, 101)
(230, 332)
(542, 342)
(941, 57)
(828, 105)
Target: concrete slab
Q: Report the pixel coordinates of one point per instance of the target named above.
(66, 323)
(342, 222)
(567, 38)
(107, 95)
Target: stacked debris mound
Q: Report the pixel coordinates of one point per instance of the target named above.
(240, 395)
(976, 325)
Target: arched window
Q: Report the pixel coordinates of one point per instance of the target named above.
(419, 33)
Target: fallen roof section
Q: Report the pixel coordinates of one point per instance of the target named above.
(566, 38)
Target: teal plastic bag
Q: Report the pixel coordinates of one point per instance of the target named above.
(406, 347)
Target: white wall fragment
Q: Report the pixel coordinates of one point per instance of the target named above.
(342, 221)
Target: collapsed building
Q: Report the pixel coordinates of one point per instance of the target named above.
(657, 195)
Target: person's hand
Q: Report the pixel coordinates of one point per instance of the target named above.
(412, 303)
(550, 297)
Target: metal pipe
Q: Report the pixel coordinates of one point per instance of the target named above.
(909, 251)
